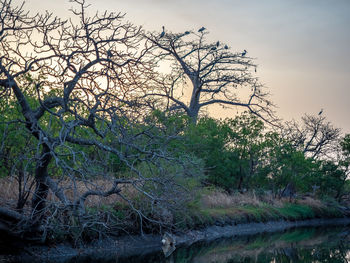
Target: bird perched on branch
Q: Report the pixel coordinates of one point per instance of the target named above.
(321, 111)
(163, 32)
(217, 43)
(244, 53)
(226, 47)
(201, 29)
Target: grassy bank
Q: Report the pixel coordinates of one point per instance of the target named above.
(220, 208)
(212, 206)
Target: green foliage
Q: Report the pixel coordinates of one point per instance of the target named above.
(331, 179)
(16, 145)
(208, 140)
(241, 153)
(345, 144)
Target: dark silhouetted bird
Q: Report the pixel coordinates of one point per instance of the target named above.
(226, 47)
(244, 53)
(321, 111)
(187, 32)
(163, 32)
(201, 29)
(217, 43)
(213, 48)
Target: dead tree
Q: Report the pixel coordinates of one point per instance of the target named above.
(209, 73)
(314, 136)
(69, 80)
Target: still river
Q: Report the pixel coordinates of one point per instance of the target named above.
(297, 245)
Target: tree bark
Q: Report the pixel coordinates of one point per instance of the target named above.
(42, 188)
(194, 104)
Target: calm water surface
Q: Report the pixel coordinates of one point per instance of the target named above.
(298, 245)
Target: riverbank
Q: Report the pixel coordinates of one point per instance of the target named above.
(138, 246)
(211, 214)
(221, 209)
(214, 232)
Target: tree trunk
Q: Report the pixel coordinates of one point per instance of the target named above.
(288, 191)
(240, 182)
(194, 109)
(41, 190)
(194, 115)
(194, 103)
(21, 189)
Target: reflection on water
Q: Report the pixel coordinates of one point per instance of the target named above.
(299, 245)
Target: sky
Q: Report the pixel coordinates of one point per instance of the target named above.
(302, 47)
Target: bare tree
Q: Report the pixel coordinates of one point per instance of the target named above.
(69, 80)
(211, 71)
(314, 136)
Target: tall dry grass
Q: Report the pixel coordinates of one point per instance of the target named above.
(225, 200)
(9, 190)
(220, 199)
(312, 202)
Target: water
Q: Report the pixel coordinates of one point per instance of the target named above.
(298, 245)
(322, 244)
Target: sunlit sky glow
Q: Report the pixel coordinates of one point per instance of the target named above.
(302, 47)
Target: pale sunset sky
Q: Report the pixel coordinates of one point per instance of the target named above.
(302, 47)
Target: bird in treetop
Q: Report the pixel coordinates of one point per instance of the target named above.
(201, 29)
(213, 48)
(187, 32)
(217, 43)
(163, 32)
(244, 53)
(226, 47)
(321, 111)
